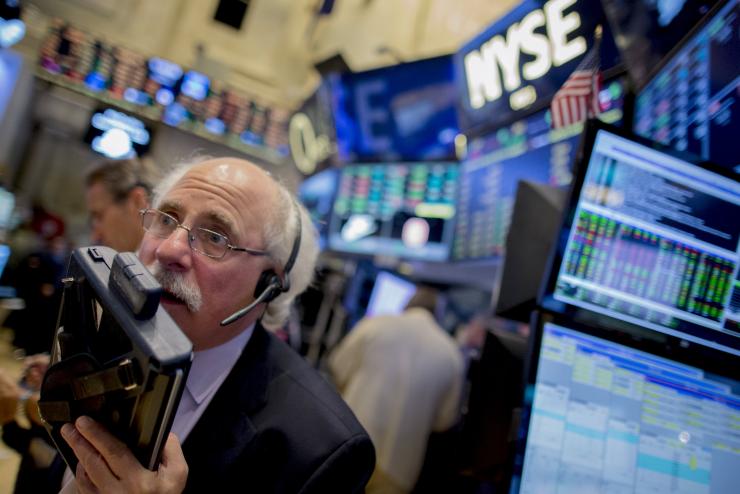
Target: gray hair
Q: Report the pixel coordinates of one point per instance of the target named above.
(279, 231)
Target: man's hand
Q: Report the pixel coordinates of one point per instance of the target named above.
(107, 465)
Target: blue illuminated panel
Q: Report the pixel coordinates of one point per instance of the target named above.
(608, 418)
(693, 103)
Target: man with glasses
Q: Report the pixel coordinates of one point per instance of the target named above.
(222, 238)
(116, 190)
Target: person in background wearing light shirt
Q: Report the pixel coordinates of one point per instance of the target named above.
(402, 375)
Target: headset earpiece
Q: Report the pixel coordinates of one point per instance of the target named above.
(268, 281)
(270, 285)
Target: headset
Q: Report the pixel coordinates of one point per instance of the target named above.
(270, 285)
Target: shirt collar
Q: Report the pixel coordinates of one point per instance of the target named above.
(210, 367)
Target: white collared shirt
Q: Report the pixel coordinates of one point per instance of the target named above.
(208, 371)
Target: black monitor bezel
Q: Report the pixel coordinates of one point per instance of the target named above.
(713, 362)
(671, 55)
(545, 299)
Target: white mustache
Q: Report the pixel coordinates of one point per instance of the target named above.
(177, 285)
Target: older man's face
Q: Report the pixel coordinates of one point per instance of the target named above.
(229, 197)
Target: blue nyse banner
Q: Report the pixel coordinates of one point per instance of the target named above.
(518, 63)
(403, 112)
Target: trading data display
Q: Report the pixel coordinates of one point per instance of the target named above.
(488, 190)
(608, 418)
(528, 150)
(693, 103)
(162, 90)
(402, 210)
(655, 241)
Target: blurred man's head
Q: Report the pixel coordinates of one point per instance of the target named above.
(425, 297)
(116, 190)
(217, 226)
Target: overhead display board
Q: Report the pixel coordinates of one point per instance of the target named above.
(161, 90)
(516, 65)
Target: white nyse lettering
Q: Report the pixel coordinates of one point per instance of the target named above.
(534, 44)
(480, 80)
(367, 115)
(499, 56)
(505, 53)
(558, 28)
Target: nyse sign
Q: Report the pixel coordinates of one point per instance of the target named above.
(524, 58)
(482, 66)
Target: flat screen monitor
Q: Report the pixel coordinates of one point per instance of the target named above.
(646, 30)
(602, 415)
(692, 102)
(390, 294)
(650, 239)
(402, 210)
(403, 112)
(316, 193)
(117, 135)
(534, 226)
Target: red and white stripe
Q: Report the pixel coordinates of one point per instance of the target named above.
(578, 98)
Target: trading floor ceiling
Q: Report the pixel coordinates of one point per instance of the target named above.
(280, 41)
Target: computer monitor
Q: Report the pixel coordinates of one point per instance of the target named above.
(316, 193)
(602, 415)
(402, 210)
(646, 30)
(692, 101)
(118, 135)
(649, 239)
(390, 294)
(534, 226)
(403, 112)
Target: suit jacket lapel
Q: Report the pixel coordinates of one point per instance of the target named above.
(225, 428)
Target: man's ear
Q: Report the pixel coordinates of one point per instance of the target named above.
(139, 197)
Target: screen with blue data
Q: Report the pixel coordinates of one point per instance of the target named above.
(527, 150)
(316, 193)
(402, 112)
(609, 418)
(693, 103)
(390, 294)
(403, 210)
(652, 240)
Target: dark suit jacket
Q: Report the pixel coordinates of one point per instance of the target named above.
(276, 426)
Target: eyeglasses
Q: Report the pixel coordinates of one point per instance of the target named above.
(201, 240)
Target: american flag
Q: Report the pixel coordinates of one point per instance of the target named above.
(578, 98)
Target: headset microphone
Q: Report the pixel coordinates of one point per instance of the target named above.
(243, 312)
(270, 285)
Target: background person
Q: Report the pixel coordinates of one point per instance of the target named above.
(402, 375)
(116, 190)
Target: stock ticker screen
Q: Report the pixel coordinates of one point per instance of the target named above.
(527, 150)
(161, 90)
(402, 210)
(693, 103)
(605, 417)
(652, 240)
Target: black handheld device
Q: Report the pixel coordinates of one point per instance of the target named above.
(117, 356)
